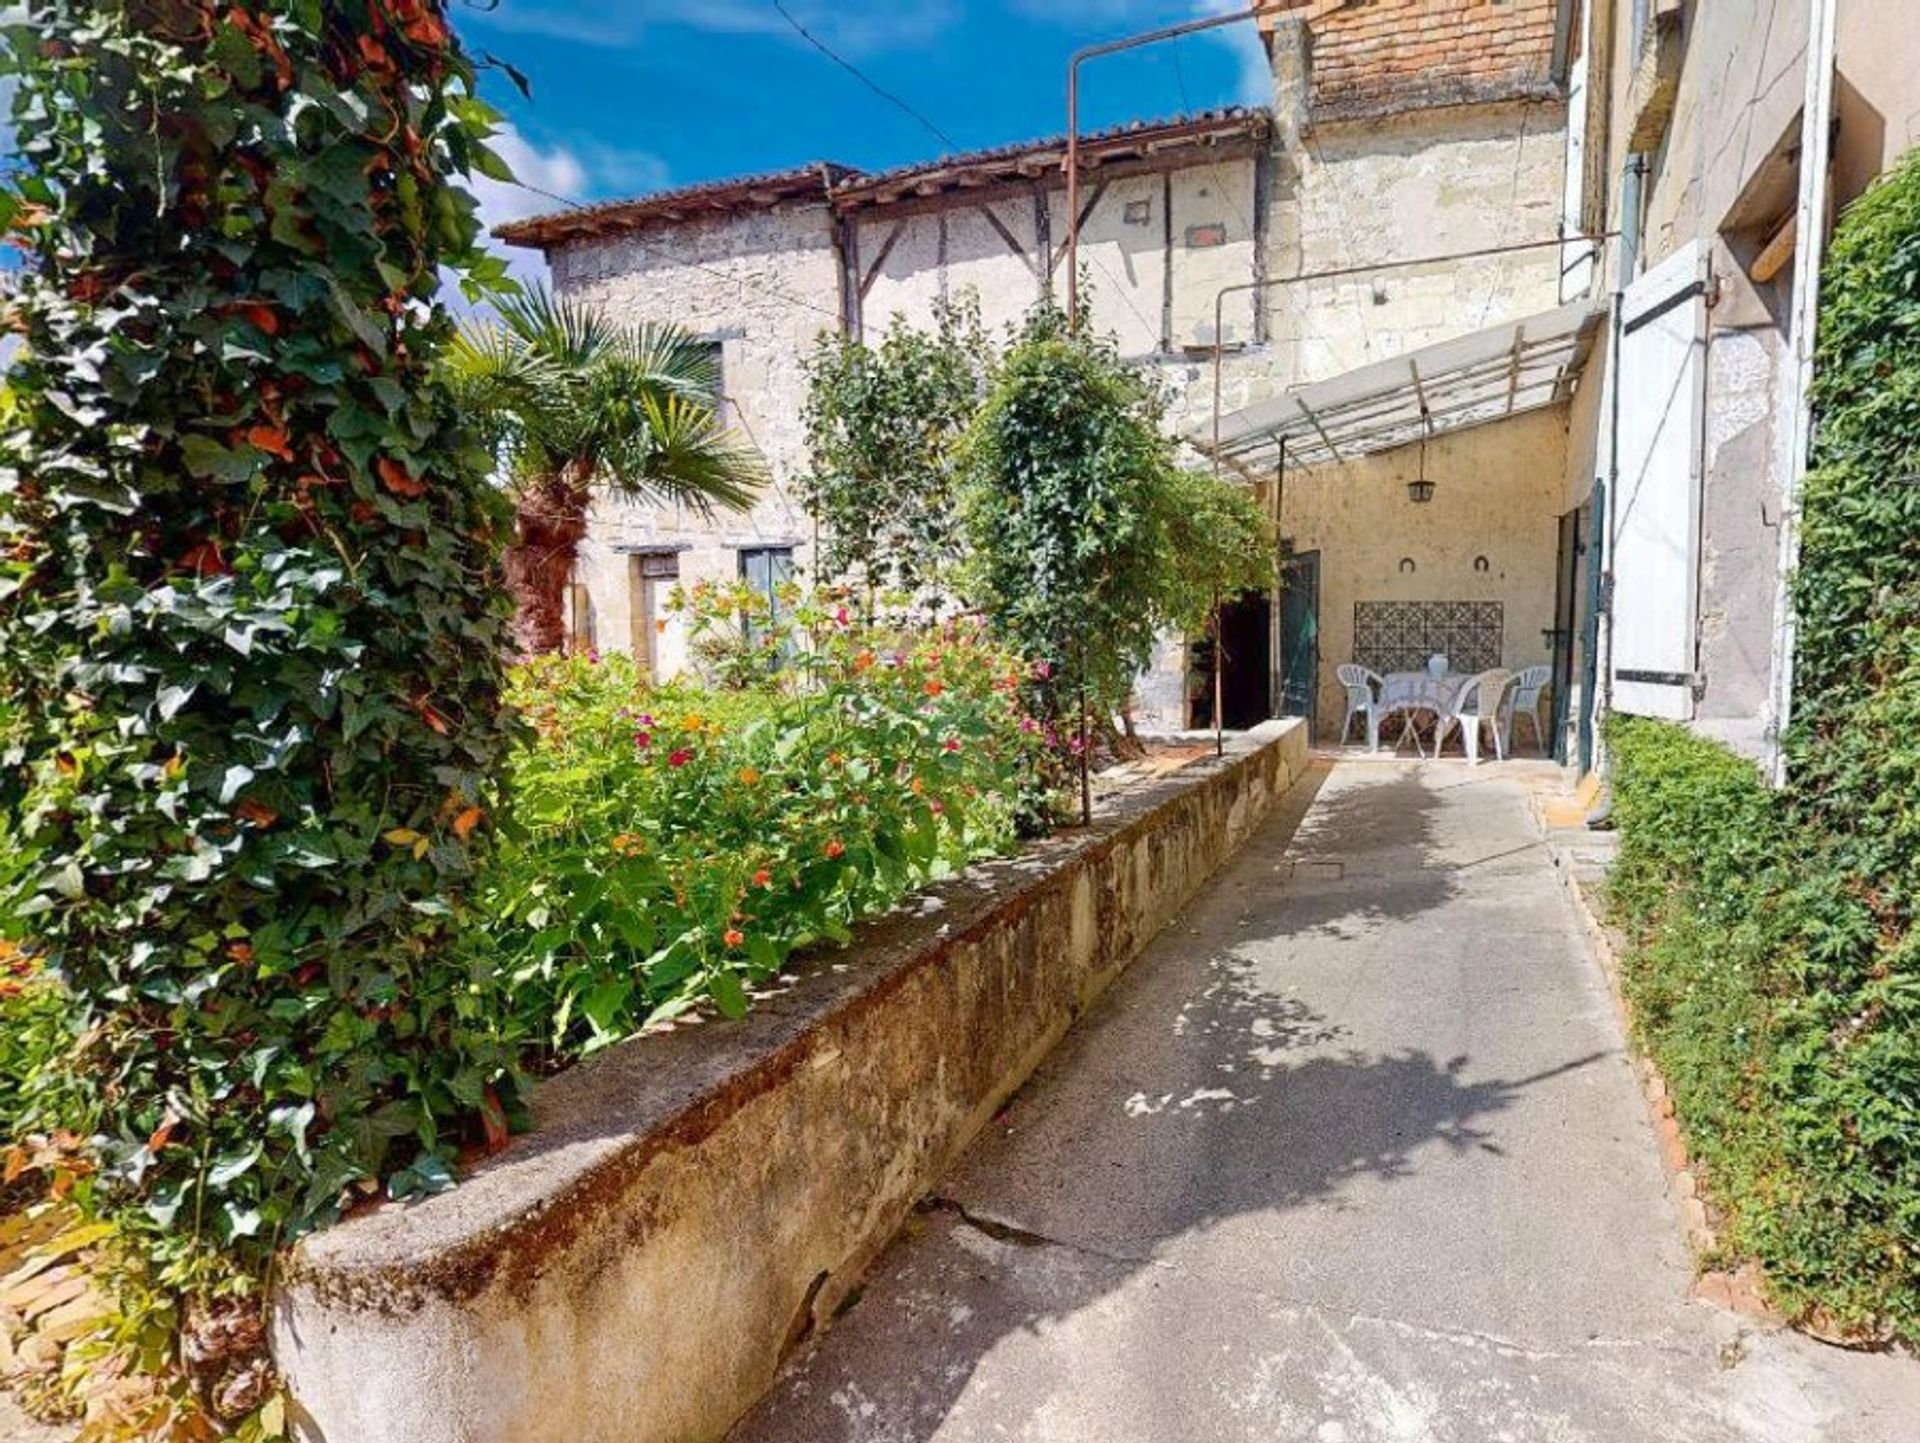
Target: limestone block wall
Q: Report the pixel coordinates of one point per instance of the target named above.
(1431, 184)
(763, 285)
(1497, 495)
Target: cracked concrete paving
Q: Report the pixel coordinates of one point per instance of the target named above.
(1352, 1153)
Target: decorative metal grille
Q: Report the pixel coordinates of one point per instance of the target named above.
(1401, 635)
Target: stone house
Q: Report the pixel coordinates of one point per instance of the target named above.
(1369, 215)
(1696, 120)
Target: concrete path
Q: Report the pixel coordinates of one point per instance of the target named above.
(1352, 1153)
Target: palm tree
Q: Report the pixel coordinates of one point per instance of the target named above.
(570, 401)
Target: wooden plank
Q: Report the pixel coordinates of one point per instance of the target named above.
(1777, 252)
(1006, 235)
(1099, 193)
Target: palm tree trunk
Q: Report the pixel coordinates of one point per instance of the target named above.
(550, 520)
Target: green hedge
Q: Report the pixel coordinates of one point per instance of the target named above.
(1793, 1077)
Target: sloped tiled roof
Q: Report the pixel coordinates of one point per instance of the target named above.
(850, 189)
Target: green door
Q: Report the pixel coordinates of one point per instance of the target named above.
(1299, 634)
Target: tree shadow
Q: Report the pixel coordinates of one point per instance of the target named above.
(1205, 1094)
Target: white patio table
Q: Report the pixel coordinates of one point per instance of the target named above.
(1408, 693)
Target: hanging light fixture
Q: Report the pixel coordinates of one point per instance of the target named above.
(1420, 489)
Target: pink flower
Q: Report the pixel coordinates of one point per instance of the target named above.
(1029, 725)
(951, 744)
(841, 616)
(593, 656)
(645, 719)
(643, 740)
(937, 806)
(1043, 669)
(679, 758)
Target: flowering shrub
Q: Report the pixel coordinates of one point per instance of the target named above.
(673, 844)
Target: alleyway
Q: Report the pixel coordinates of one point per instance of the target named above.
(1353, 1153)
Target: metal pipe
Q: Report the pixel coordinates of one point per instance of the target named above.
(1816, 142)
(1599, 702)
(1089, 52)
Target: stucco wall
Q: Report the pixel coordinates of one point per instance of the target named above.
(1877, 96)
(693, 1204)
(1497, 493)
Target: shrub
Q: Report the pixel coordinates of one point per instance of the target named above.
(673, 844)
(1795, 1074)
(884, 425)
(249, 625)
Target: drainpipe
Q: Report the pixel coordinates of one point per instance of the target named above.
(1605, 532)
(1816, 143)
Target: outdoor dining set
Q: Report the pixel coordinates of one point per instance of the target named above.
(1444, 701)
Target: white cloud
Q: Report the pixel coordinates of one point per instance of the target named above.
(1255, 84)
(551, 178)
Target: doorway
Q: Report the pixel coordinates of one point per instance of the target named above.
(1246, 654)
(1300, 634)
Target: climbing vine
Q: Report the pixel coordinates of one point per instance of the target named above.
(250, 634)
(1776, 971)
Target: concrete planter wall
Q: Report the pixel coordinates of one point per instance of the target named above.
(693, 1204)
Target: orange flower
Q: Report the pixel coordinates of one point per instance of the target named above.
(734, 937)
(749, 775)
(935, 687)
(835, 849)
(863, 661)
(629, 844)
(918, 786)
(763, 878)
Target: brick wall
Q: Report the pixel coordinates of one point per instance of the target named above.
(1373, 56)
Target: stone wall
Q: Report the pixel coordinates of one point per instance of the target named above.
(762, 285)
(693, 1204)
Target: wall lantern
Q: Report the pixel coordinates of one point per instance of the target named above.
(1420, 489)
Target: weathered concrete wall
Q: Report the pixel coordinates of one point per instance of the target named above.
(693, 1204)
(1497, 492)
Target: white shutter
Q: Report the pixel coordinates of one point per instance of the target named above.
(1656, 508)
(1576, 257)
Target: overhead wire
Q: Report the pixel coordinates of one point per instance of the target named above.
(862, 77)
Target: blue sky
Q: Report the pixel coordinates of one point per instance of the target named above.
(633, 95)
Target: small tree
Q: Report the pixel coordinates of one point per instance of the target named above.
(572, 401)
(250, 631)
(1087, 540)
(884, 426)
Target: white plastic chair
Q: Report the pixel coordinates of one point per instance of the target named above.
(1480, 700)
(1528, 692)
(1363, 700)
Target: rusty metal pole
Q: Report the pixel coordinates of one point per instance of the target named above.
(1131, 42)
